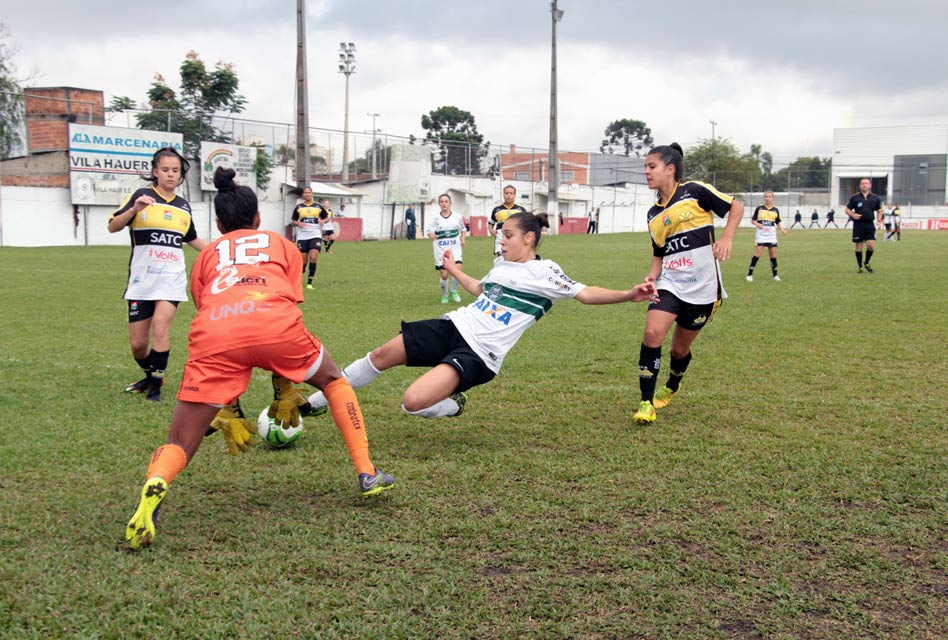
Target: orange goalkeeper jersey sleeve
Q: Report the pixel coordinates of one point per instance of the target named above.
(246, 286)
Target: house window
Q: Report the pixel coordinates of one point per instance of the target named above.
(522, 175)
(568, 176)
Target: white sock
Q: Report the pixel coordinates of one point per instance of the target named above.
(359, 373)
(447, 407)
(444, 288)
(454, 285)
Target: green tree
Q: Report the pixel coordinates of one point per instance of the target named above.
(721, 164)
(631, 137)
(806, 172)
(11, 104)
(121, 103)
(203, 95)
(453, 130)
(262, 166)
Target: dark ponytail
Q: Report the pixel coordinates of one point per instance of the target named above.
(671, 154)
(528, 222)
(234, 205)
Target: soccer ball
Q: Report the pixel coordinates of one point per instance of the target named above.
(274, 433)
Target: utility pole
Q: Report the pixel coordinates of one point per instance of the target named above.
(553, 205)
(303, 171)
(347, 67)
(374, 150)
(713, 145)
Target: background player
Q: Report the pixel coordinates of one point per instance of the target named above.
(500, 213)
(684, 269)
(830, 219)
(814, 220)
(896, 217)
(158, 222)
(447, 232)
(325, 219)
(862, 209)
(257, 270)
(467, 346)
(309, 237)
(766, 218)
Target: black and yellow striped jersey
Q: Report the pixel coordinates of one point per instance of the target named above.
(682, 231)
(501, 212)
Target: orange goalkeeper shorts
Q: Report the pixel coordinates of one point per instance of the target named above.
(221, 378)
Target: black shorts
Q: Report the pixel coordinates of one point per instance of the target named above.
(139, 310)
(328, 232)
(313, 244)
(440, 267)
(687, 315)
(888, 226)
(766, 244)
(863, 232)
(429, 343)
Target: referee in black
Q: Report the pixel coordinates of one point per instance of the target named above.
(862, 209)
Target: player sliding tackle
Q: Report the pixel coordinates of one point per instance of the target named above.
(467, 346)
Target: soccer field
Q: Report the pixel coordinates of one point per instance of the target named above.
(796, 487)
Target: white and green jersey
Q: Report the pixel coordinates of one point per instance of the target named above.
(515, 296)
(447, 236)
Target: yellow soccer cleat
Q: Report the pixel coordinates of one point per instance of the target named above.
(662, 397)
(140, 530)
(645, 414)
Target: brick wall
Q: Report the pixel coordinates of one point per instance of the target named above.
(49, 111)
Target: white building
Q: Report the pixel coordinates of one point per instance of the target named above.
(907, 165)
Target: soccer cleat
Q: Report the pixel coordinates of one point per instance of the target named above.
(444, 299)
(154, 389)
(140, 530)
(369, 485)
(455, 296)
(750, 278)
(868, 268)
(860, 270)
(461, 398)
(139, 387)
(309, 285)
(777, 279)
(645, 414)
(307, 410)
(663, 397)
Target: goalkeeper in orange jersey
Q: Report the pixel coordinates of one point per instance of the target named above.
(246, 287)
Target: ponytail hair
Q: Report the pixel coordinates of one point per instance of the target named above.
(234, 205)
(671, 154)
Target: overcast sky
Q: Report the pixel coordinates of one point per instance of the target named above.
(780, 74)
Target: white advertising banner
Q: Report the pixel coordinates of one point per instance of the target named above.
(108, 163)
(231, 156)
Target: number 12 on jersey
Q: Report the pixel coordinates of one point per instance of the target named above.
(243, 250)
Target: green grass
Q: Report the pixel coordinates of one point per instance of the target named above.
(795, 488)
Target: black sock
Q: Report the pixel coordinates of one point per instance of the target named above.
(868, 256)
(677, 369)
(859, 258)
(304, 267)
(159, 362)
(773, 266)
(750, 269)
(650, 359)
(145, 364)
(312, 272)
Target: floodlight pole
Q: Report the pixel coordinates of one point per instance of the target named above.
(374, 151)
(303, 172)
(553, 164)
(346, 67)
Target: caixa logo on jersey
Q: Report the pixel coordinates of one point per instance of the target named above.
(492, 310)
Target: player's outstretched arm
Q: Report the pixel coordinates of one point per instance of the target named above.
(471, 285)
(600, 295)
(722, 248)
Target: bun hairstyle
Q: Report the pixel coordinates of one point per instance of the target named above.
(671, 154)
(528, 222)
(167, 152)
(234, 205)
